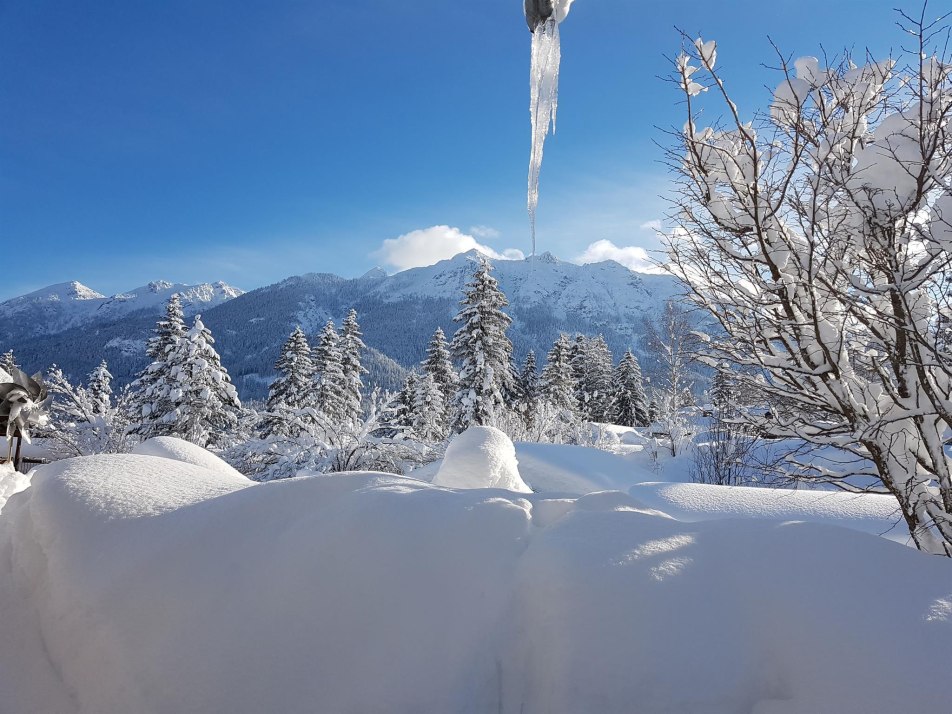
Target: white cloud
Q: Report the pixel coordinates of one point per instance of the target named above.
(427, 246)
(632, 257)
(484, 232)
(654, 225)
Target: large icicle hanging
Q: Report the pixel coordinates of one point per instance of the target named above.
(543, 104)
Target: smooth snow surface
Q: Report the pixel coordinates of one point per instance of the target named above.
(481, 457)
(142, 584)
(170, 447)
(577, 470)
(870, 513)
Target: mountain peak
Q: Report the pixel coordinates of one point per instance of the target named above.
(71, 290)
(375, 273)
(545, 257)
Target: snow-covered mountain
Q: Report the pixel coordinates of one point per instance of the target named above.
(59, 307)
(398, 314)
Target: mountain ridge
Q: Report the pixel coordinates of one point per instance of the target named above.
(398, 314)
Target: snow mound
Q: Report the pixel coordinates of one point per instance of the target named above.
(577, 470)
(481, 457)
(11, 482)
(126, 486)
(373, 593)
(688, 502)
(170, 447)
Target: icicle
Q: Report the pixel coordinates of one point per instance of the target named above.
(543, 104)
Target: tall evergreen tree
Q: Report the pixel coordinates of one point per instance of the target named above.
(193, 398)
(100, 389)
(557, 384)
(595, 383)
(329, 380)
(483, 349)
(578, 359)
(528, 388)
(428, 411)
(401, 411)
(629, 406)
(293, 388)
(723, 396)
(8, 362)
(167, 331)
(150, 389)
(439, 364)
(351, 350)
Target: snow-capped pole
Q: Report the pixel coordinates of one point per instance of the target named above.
(538, 11)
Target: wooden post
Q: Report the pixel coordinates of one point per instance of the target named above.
(18, 459)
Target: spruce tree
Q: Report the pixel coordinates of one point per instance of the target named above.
(329, 381)
(578, 359)
(596, 379)
(483, 349)
(439, 364)
(8, 362)
(528, 388)
(100, 389)
(351, 349)
(557, 384)
(427, 420)
(195, 399)
(629, 407)
(151, 388)
(293, 388)
(400, 419)
(167, 331)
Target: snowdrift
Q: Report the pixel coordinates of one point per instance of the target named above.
(481, 457)
(171, 447)
(160, 586)
(869, 513)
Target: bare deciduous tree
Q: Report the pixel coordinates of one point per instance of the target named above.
(819, 236)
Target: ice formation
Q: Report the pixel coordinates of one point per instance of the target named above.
(543, 17)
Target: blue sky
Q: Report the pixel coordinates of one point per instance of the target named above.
(249, 141)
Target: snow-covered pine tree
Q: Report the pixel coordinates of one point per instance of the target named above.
(148, 393)
(329, 380)
(8, 362)
(528, 388)
(439, 364)
(428, 417)
(578, 360)
(596, 384)
(292, 390)
(723, 394)
(399, 417)
(483, 349)
(557, 383)
(629, 406)
(196, 400)
(351, 350)
(167, 331)
(100, 389)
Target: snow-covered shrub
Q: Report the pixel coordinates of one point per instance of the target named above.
(88, 419)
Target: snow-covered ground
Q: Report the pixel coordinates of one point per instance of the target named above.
(163, 582)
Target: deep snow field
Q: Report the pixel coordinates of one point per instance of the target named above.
(165, 581)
